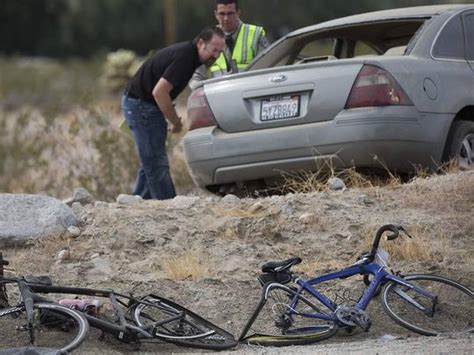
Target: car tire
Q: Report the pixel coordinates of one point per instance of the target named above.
(460, 144)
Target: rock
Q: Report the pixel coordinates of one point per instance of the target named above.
(68, 201)
(363, 200)
(145, 240)
(63, 255)
(256, 207)
(82, 196)
(308, 218)
(336, 184)
(183, 202)
(26, 217)
(100, 270)
(172, 230)
(230, 199)
(77, 208)
(74, 231)
(390, 337)
(129, 200)
(101, 204)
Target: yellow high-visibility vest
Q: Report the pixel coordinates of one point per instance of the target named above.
(245, 49)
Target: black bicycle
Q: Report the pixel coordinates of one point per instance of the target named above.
(40, 322)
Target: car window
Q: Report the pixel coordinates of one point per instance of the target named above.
(469, 26)
(450, 42)
(316, 50)
(342, 42)
(363, 49)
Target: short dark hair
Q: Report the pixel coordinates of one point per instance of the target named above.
(228, 2)
(207, 33)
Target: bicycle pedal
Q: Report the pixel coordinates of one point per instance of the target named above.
(363, 322)
(353, 316)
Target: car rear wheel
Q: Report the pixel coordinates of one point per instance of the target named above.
(460, 144)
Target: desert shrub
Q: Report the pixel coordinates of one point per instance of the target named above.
(84, 148)
(59, 129)
(50, 86)
(119, 68)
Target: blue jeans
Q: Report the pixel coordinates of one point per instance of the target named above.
(149, 128)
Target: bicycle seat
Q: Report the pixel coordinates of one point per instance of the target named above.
(278, 266)
(38, 280)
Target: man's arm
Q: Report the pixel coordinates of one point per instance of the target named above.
(161, 93)
(201, 73)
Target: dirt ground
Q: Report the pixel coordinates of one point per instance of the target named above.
(205, 252)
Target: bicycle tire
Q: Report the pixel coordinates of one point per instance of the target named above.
(277, 328)
(453, 312)
(181, 326)
(52, 323)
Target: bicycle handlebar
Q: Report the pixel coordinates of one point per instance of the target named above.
(395, 229)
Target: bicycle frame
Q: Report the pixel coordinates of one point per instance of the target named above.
(124, 331)
(381, 276)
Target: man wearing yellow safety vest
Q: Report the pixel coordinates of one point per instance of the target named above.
(243, 42)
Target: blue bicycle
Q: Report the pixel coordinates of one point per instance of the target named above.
(298, 313)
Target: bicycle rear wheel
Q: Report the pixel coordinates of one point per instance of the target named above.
(178, 325)
(54, 327)
(284, 317)
(451, 313)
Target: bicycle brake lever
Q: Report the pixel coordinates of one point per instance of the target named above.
(401, 229)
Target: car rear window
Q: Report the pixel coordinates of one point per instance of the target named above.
(388, 37)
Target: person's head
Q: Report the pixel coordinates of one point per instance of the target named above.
(227, 13)
(210, 43)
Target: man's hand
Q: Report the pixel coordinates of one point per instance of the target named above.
(177, 126)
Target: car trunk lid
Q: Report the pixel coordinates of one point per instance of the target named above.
(281, 96)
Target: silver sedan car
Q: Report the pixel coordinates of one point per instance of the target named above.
(392, 89)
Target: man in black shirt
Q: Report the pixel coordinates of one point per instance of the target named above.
(147, 101)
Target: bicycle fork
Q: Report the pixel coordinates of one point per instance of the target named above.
(30, 313)
(410, 300)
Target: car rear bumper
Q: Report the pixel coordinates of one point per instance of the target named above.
(395, 137)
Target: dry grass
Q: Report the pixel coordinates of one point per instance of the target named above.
(317, 180)
(38, 257)
(425, 246)
(188, 266)
(450, 167)
(320, 266)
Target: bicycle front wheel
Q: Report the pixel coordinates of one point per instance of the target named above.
(451, 312)
(54, 327)
(176, 324)
(284, 317)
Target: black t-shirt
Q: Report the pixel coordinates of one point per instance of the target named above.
(175, 63)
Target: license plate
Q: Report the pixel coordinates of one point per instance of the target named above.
(280, 107)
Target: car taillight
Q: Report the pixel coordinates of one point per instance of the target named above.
(376, 87)
(199, 112)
